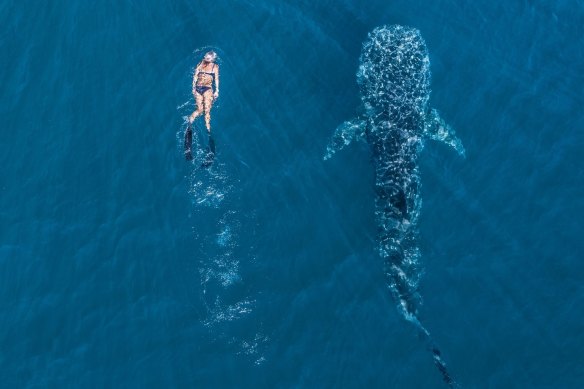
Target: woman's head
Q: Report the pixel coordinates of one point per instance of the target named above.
(210, 56)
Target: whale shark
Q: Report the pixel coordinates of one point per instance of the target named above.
(395, 119)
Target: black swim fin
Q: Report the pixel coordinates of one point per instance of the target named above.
(188, 143)
(210, 156)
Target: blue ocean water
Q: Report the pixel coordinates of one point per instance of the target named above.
(123, 265)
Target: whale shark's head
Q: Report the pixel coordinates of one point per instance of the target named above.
(394, 72)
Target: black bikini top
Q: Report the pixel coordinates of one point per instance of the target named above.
(209, 73)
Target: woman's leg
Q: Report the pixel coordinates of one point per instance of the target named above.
(208, 104)
(199, 107)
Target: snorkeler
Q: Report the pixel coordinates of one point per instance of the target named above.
(206, 73)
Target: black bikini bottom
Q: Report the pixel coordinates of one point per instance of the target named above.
(201, 89)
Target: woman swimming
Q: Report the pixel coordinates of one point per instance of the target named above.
(206, 73)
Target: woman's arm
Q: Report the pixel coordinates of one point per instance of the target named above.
(216, 94)
(195, 76)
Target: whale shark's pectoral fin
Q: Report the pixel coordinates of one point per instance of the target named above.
(345, 134)
(436, 128)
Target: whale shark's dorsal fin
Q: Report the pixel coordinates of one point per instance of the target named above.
(436, 128)
(345, 134)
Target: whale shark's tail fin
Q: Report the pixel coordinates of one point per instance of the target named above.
(424, 334)
(436, 354)
(441, 365)
(344, 135)
(436, 128)
(402, 279)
